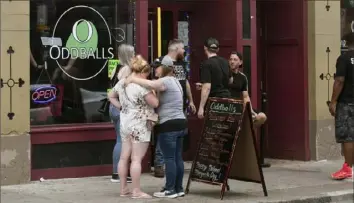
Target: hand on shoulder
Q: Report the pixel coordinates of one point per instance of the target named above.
(128, 80)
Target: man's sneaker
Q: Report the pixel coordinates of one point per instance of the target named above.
(159, 172)
(129, 179)
(180, 194)
(115, 179)
(344, 173)
(166, 194)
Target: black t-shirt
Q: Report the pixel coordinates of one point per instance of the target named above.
(344, 68)
(181, 75)
(239, 85)
(215, 70)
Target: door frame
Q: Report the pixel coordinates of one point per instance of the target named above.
(252, 42)
(262, 67)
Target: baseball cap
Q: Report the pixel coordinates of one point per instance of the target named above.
(349, 38)
(211, 43)
(156, 63)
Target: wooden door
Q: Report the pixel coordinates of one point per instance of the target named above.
(285, 78)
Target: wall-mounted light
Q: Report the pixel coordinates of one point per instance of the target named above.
(328, 6)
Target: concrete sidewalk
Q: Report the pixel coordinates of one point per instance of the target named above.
(286, 182)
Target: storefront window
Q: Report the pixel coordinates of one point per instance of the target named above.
(347, 19)
(71, 44)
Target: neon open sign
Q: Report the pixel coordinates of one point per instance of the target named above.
(44, 94)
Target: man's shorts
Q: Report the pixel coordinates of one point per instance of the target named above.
(344, 122)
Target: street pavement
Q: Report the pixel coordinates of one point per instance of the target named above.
(286, 181)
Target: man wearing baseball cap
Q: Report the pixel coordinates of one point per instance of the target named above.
(215, 75)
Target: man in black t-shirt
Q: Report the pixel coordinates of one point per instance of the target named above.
(215, 75)
(342, 107)
(239, 86)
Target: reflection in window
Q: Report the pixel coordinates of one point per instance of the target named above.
(347, 20)
(247, 65)
(246, 19)
(82, 48)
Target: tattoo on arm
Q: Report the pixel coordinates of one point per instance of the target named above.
(337, 88)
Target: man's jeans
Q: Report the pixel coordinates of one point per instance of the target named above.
(171, 145)
(115, 116)
(158, 162)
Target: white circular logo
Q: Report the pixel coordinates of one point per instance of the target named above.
(89, 36)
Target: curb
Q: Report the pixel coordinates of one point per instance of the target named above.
(328, 197)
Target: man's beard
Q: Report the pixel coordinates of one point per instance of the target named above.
(233, 68)
(180, 57)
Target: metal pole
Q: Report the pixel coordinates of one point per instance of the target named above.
(158, 31)
(263, 132)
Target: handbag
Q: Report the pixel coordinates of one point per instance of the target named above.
(104, 108)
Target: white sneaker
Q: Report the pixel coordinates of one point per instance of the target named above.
(115, 180)
(181, 194)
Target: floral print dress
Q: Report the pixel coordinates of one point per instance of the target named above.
(134, 113)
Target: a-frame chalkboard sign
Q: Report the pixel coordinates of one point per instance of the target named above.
(227, 148)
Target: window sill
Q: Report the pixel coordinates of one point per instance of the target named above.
(50, 134)
(71, 127)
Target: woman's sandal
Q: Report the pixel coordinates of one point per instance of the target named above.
(126, 194)
(141, 196)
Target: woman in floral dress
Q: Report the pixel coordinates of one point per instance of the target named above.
(137, 112)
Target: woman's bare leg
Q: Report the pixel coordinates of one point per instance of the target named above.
(138, 153)
(123, 165)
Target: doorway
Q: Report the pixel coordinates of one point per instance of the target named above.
(174, 24)
(167, 26)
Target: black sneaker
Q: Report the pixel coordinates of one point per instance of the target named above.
(166, 194)
(115, 178)
(129, 179)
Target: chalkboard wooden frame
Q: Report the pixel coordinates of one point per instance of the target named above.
(236, 168)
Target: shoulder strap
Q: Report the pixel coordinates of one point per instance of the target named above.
(115, 79)
(179, 86)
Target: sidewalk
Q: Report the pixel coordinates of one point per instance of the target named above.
(286, 182)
